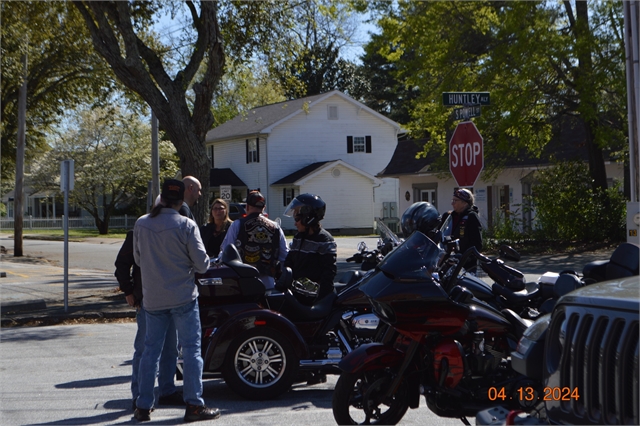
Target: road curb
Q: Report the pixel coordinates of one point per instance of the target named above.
(22, 306)
(50, 319)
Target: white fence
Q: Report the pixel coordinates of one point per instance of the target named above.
(115, 222)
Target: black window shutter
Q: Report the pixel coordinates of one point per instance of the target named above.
(368, 144)
(247, 149)
(257, 150)
(284, 197)
(349, 144)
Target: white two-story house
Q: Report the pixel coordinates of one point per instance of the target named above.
(327, 144)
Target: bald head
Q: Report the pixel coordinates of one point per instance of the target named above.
(192, 188)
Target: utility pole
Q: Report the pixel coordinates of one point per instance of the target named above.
(20, 148)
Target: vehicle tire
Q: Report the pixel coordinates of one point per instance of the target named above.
(358, 399)
(260, 364)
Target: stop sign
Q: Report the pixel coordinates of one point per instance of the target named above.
(466, 154)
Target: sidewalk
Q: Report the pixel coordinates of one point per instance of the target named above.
(94, 295)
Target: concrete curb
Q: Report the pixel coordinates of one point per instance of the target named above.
(56, 318)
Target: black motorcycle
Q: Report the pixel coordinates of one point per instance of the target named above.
(261, 342)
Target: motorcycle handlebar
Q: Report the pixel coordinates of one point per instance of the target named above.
(467, 254)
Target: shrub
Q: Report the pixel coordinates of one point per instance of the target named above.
(568, 209)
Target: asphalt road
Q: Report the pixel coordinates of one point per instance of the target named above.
(80, 375)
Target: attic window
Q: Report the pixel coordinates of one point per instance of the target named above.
(332, 112)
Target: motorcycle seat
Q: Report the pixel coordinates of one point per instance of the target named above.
(231, 258)
(515, 298)
(296, 311)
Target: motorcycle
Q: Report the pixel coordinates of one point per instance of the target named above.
(261, 342)
(442, 343)
(370, 258)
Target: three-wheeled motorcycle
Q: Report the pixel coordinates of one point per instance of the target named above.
(261, 342)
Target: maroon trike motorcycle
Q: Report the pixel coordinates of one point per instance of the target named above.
(262, 342)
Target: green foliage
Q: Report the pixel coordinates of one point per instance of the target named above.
(3, 210)
(111, 153)
(569, 209)
(539, 60)
(507, 227)
(63, 71)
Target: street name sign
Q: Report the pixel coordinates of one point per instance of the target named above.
(466, 154)
(466, 113)
(465, 98)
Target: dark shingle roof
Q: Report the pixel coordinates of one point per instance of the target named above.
(224, 177)
(299, 174)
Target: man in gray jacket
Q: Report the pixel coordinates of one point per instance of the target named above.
(169, 250)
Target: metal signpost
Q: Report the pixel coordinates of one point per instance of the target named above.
(66, 185)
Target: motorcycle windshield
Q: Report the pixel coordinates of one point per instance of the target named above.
(416, 256)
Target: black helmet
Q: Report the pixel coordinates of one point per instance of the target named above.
(421, 216)
(309, 208)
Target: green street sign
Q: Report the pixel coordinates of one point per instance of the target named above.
(465, 98)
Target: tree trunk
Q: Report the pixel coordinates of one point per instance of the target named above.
(586, 87)
(142, 71)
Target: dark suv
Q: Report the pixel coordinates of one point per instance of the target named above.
(237, 210)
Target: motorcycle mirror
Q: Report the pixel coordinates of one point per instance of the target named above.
(362, 246)
(509, 253)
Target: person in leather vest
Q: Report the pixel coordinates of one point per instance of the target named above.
(313, 251)
(259, 240)
(465, 224)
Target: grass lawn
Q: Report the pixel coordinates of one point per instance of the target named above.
(73, 233)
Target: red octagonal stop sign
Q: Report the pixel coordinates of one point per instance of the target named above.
(466, 154)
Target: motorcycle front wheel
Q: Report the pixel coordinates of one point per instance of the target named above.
(260, 364)
(359, 399)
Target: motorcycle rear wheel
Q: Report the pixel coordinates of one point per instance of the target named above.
(260, 364)
(359, 399)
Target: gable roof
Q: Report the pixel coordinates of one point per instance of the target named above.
(404, 161)
(219, 177)
(299, 177)
(263, 119)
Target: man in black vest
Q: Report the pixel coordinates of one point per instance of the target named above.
(260, 241)
(465, 224)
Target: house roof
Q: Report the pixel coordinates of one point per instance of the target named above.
(219, 177)
(263, 119)
(299, 177)
(404, 161)
(568, 144)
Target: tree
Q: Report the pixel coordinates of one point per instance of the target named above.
(308, 62)
(540, 60)
(110, 149)
(117, 25)
(63, 71)
(120, 33)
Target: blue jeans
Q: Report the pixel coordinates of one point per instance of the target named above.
(167, 368)
(187, 322)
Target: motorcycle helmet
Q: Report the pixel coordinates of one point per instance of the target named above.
(308, 208)
(422, 217)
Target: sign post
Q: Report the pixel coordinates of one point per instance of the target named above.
(66, 185)
(466, 154)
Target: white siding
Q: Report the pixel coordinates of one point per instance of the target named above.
(349, 199)
(308, 138)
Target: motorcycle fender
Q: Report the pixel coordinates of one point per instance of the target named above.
(247, 320)
(371, 356)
